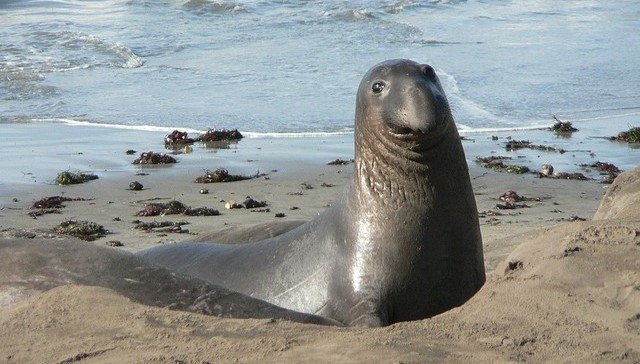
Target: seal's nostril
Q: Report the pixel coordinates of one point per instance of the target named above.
(428, 70)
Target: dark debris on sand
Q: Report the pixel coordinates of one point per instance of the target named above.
(51, 205)
(177, 137)
(55, 202)
(571, 176)
(610, 171)
(497, 163)
(216, 135)
(200, 211)
(514, 265)
(510, 201)
(41, 212)
(489, 213)
(85, 230)
(525, 144)
(161, 226)
(631, 136)
(221, 175)
(154, 158)
(73, 178)
(339, 162)
(135, 186)
(250, 203)
(175, 207)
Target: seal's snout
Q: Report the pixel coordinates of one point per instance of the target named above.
(418, 102)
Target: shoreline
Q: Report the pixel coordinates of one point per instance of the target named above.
(35, 152)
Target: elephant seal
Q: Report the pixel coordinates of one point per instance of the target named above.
(403, 243)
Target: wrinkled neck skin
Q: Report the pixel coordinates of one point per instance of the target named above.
(400, 173)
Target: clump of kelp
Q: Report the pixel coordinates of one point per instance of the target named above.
(177, 137)
(525, 144)
(250, 203)
(73, 178)
(221, 175)
(175, 207)
(217, 135)
(339, 162)
(631, 136)
(154, 158)
(610, 171)
(51, 205)
(161, 226)
(85, 230)
(54, 202)
(577, 176)
(511, 201)
(562, 127)
(497, 163)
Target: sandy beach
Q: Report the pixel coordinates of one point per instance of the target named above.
(545, 308)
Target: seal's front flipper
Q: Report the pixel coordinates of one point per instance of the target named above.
(362, 312)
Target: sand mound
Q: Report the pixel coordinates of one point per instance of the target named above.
(570, 293)
(622, 199)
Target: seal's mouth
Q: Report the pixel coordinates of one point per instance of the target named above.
(402, 130)
(417, 141)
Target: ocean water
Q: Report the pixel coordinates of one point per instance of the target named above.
(293, 66)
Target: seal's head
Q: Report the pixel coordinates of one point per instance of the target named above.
(402, 100)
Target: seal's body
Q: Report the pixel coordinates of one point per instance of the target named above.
(404, 241)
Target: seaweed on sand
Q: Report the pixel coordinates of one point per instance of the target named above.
(177, 138)
(175, 207)
(85, 230)
(522, 144)
(630, 136)
(51, 205)
(220, 175)
(54, 202)
(72, 178)
(511, 198)
(497, 163)
(562, 127)
(572, 176)
(609, 170)
(339, 162)
(154, 158)
(216, 135)
(161, 226)
(250, 203)
(200, 211)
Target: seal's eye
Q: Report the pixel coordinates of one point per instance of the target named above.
(377, 87)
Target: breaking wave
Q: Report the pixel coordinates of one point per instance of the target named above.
(214, 6)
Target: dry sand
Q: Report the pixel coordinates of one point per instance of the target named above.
(570, 291)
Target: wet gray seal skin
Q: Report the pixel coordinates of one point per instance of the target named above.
(404, 241)
(31, 266)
